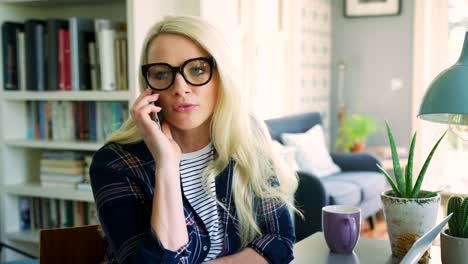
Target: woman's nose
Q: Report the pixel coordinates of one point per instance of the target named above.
(180, 86)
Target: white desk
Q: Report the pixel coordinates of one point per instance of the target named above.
(314, 249)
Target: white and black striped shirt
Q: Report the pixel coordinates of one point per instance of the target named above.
(191, 166)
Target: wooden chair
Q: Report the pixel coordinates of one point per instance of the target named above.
(71, 245)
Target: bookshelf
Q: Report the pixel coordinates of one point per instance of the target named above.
(20, 156)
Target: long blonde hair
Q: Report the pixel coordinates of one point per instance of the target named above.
(235, 133)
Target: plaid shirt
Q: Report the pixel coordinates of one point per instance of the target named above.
(122, 179)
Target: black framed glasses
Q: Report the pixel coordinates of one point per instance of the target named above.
(196, 71)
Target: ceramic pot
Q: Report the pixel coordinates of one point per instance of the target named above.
(358, 147)
(453, 250)
(404, 215)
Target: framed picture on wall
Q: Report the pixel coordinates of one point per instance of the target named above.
(366, 8)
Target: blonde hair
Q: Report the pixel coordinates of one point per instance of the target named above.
(235, 133)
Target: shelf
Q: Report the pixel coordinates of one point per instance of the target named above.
(47, 144)
(29, 236)
(66, 96)
(36, 190)
(42, 3)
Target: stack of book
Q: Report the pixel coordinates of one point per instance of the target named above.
(65, 55)
(62, 169)
(86, 184)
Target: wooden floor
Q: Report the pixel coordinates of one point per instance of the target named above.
(380, 229)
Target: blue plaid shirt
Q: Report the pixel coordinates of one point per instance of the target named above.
(122, 179)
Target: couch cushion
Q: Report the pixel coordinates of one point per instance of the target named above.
(311, 152)
(371, 183)
(342, 192)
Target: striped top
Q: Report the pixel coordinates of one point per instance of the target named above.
(191, 168)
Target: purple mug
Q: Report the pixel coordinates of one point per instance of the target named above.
(341, 227)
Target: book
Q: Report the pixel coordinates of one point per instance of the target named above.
(84, 187)
(24, 211)
(9, 52)
(61, 177)
(93, 66)
(35, 62)
(20, 38)
(62, 60)
(61, 170)
(62, 155)
(81, 34)
(106, 31)
(54, 26)
(63, 163)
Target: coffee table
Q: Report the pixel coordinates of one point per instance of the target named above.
(314, 249)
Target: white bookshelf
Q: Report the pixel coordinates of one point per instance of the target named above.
(66, 96)
(49, 144)
(19, 156)
(31, 236)
(36, 190)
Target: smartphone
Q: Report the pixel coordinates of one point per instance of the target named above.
(156, 117)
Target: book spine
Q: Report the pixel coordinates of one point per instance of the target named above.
(53, 30)
(10, 58)
(30, 120)
(21, 61)
(24, 212)
(30, 52)
(93, 67)
(40, 57)
(68, 73)
(42, 120)
(61, 59)
(106, 57)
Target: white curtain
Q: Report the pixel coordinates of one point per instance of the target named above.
(430, 49)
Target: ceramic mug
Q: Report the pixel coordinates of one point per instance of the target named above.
(341, 226)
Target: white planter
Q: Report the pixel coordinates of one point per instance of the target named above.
(404, 215)
(453, 250)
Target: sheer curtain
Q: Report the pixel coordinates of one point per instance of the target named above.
(439, 28)
(429, 59)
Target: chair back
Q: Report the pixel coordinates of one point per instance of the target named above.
(82, 244)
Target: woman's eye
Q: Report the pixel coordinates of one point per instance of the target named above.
(162, 75)
(197, 71)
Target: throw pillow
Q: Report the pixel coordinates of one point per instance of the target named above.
(287, 153)
(312, 155)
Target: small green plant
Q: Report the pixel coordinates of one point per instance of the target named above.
(458, 224)
(355, 130)
(404, 187)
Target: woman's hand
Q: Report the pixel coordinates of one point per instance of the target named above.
(164, 149)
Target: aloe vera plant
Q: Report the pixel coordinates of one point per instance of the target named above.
(403, 186)
(458, 224)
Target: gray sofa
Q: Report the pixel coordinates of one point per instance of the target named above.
(358, 184)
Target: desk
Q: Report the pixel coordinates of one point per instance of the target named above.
(314, 249)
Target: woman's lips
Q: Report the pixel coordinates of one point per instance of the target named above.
(184, 108)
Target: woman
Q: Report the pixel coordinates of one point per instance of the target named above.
(206, 186)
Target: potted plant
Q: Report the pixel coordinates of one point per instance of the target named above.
(407, 208)
(354, 131)
(454, 240)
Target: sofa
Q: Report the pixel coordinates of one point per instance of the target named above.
(358, 184)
